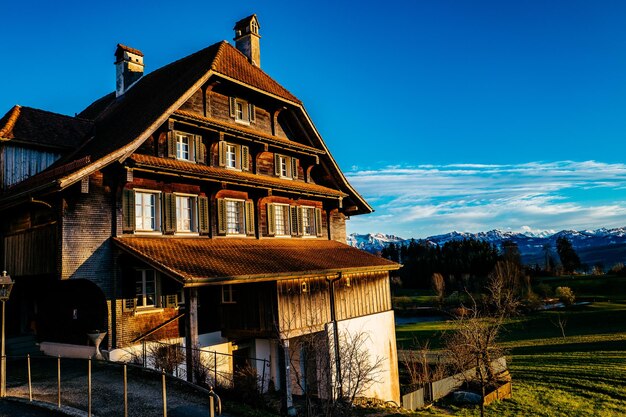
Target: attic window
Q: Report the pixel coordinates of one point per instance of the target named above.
(254, 27)
(242, 111)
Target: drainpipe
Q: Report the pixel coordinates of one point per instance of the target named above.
(333, 318)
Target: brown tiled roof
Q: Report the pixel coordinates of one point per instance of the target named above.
(43, 128)
(121, 47)
(229, 175)
(204, 260)
(245, 130)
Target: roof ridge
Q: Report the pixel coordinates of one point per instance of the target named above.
(15, 114)
(218, 54)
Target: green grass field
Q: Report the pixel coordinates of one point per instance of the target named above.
(583, 374)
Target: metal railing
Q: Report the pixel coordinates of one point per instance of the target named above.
(71, 382)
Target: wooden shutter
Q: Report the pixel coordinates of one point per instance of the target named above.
(200, 149)
(128, 210)
(232, 104)
(222, 153)
(277, 164)
(221, 216)
(271, 218)
(169, 213)
(318, 222)
(171, 144)
(129, 304)
(294, 168)
(251, 110)
(249, 206)
(286, 218)
(296, 221)
(245, 160)
(203, 215)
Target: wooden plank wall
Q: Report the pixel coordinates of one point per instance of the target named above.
(21, 163)
(355, 295)
(31, 252)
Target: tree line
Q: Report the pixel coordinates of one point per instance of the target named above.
(467, 263)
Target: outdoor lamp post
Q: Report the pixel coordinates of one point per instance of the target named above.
(6, 284)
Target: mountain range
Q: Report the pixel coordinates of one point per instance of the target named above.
(605, 246)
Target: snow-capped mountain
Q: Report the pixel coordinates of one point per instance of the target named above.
(607, 246)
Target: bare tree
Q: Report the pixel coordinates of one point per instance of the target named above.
(417, 362)
(473, 346)
(439, 285)
(504, 287)
(560, 322)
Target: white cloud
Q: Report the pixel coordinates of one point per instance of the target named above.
(431, 199)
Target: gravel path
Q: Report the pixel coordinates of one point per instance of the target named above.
(144, 388)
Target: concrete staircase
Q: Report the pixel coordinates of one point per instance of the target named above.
(22, 346)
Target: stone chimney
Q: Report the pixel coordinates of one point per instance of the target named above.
(128, 68)
(247, 39)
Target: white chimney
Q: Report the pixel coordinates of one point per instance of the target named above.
(128, 68)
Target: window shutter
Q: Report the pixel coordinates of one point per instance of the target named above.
(249, 218)
(129, 304)
(286, 218)
(296, 221)
(294, 168)
(276, 164)
(169, 213)
(128, 210)
(232, 105)
(222, 153)
(221, 216)
(171, 301)
(245, 160)
(271, 218)
(200, 153)
(203, 215)
(318, 222)
(171, 144)
(251, 110)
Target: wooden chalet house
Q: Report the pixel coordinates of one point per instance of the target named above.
(197, 201)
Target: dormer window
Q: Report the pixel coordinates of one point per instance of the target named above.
(242, 111)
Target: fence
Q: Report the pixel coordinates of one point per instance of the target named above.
(107, 388)
(439, 389)
(211, 368)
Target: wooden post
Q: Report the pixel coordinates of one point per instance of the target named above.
(211, 406)
(215, 368)
(164, 393)
(59, 380)
(30, 385)
(89, 387)
(125, 392)
(191, 330)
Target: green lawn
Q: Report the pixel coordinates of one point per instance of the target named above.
(583, 374)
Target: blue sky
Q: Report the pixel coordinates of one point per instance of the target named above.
(446, 115)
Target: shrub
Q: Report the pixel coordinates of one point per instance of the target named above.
(533, 302)
(544, 290)
(565, 295)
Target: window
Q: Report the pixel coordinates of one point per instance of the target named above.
(186, 214)
(278, 219)
(308, 221)
(242, 111)
(228, 294)
(185, 146)
(145, 288)
(147, 213)
(285, 166)
(234, 156)
(235, 217)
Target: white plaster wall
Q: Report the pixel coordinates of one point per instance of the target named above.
(262, 350)
(380, 343)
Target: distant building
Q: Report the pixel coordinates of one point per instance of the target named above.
(195, 204)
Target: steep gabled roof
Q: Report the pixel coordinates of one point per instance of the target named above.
(29, 126)
(122, 124)
(198, 261)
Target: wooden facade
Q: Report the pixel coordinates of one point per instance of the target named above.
(171, 172)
